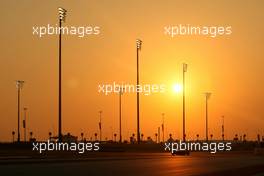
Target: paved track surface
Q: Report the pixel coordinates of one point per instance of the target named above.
(138, 164)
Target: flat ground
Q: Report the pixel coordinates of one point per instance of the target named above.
(139, 164)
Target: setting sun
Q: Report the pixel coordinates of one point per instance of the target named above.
(177, 88)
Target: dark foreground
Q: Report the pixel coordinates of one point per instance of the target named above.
(139, 164)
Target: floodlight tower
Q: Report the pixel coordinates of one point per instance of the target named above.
(139, 43)
(121, 91)
(62, 17)
(183, 102)
(19, 85)
(207, 96)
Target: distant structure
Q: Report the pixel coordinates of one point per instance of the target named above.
(19, 85)
(156, 137)
(25, 124)
(183, 102)
(223, 128)
(100, 124)
(163, 127)
(207, 96)
(69, 138)
(62, 17)
(121, 91)
(158, 134)
(139, 43)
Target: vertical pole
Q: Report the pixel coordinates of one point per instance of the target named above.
(163, 127)
(158, 134)
(25, 125)
(223, 128)
(60, 130)
(120, 114)
(18, 113)
(100, 113)
(138, 131)
(183, 102)
(206, 109)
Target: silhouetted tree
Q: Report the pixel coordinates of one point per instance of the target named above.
(31, 134)
(156, 137)
(13, 134)
(258, 137)
(197, 136)
(115, 136)
(236, 137)
(142, 135)
(50, 135)
(95, 136)
(244, 137)
(82, 136)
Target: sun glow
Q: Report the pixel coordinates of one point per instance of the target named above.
(176, 88)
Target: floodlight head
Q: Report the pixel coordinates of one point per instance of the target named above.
(139, 43)
(62, 14)
(185, 67)
(207, 95)
(121, 91)
(19, 84)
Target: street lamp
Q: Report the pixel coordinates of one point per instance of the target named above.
(207, 96)
(100, 124)
(183, 101)
(62, 16)
(139, 43)
(19, 85)
(25, 124)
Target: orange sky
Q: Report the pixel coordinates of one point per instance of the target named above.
(228, 66)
